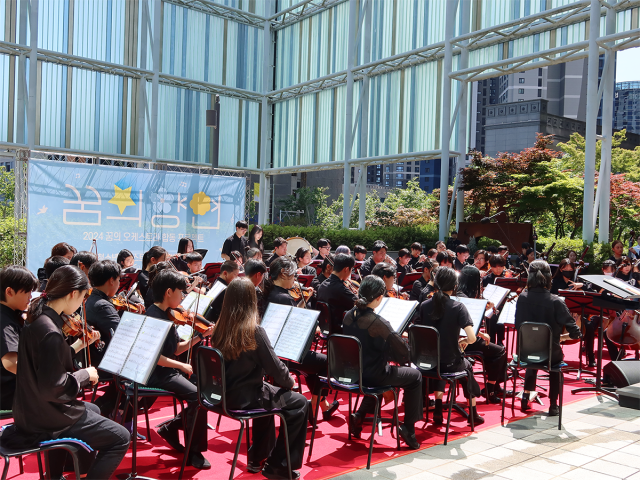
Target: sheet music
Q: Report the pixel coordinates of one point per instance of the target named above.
(476, 308)
(185, 332)
(121, 343)
(397, 312)
(216, 289)
(295, 333)
(273, 320)
(145, 351)
(189, 300)
(495, 294)
(622, 285)
(508, 314)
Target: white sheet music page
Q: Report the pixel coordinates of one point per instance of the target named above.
(295, 334)
(508, 314)
(188, 301)
(495, 294)
(273, 320)
(146, 349)
(216, 289)
(396, 312)
(201, 304)
(379, 308)
(476, 308)
(121, 343)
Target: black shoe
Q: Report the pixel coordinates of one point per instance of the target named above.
(554, 411)
(326, 415)
(279, 473)
(409, 438)
(591, 364)
(254, 467)
(524, 405)
(197, 460)
(437, 418)
(170, 435)
(477, 420)
(310, 409)
(355, 424)
(494, 399)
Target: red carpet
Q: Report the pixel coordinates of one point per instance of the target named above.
(332, 453)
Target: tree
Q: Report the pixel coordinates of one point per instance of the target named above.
(410, 197)
(7, 192)
(307, 199)
(330, 216)
(624, 211)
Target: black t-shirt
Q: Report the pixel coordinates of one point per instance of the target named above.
(455, 317)
(316, 282)
(418, 285)
(559, 283)
(102, 315)
(309, 270)
(213, 312)
(235, 243)
(168, 348)
(415, 262)
(143, 283)
(274, 256)
(11, 327)
(281, 296)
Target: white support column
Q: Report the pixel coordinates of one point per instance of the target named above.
(604, 182)
(465, 12)
(348, 136)
(21, 62)
(445, 126)
(592, 114)
(155, 82)
(364, 124)
(33, 75)
(143, 103)
(265, 121)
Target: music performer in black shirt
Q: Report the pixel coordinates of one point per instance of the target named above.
(279, 283)
(324, 249)
(381, 344)
(496, 270)
(335, 292)
(417, 258)
(228, 271)
(168, 286)
(103, 316)
(154, 255)
(255, 271)
(236, 242)
(303, 259)
(45, 405)
(422, 282)
(379, 255)
(448, 317)
(279, 250)
(462, 253)
(248, 354)
(563, 278)
(17, 283)
(403, 264)
(538, 304)
(325, 272)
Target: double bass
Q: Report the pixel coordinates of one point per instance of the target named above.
(624, 330)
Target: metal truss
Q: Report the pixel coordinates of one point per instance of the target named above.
(211, 88)
(300, 11)
(626, 40)
(221, 10)
(359, 162)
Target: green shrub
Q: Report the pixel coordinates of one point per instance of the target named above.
(7, 235)
(485, 242)
(598, 252)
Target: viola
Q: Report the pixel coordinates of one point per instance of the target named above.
(124, 305)
(74, 327)
(179, 316)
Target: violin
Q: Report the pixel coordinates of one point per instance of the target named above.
(299, 295)
(352, 285)
(179, 316)
(124, 305)
(74, 327)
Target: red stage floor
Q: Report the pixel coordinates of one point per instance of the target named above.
(332, 454)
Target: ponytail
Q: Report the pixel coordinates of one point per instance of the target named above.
(62, 282)
(444, 281)
(370, 289)
(154, 252)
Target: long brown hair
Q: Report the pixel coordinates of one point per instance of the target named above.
(235, 331)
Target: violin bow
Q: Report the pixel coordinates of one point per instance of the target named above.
(85, 336)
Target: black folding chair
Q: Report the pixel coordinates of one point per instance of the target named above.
(71, 445)
(534, 347)
(324, 322)
(344, 374)
(212, 396)
(424, 345)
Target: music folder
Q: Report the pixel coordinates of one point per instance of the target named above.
(508, 313)
(134, 350)
(397, 312)
(476, 308)
(613, 285)
(195, 302)
(495, 294)
(290, 330)
(215, 290)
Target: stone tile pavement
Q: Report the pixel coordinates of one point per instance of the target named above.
(599, 441)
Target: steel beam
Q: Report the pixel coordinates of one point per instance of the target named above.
(590, 132)
(445, 127)
(221, 10)
(300, 11)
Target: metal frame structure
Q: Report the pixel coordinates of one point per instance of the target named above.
(358, 76)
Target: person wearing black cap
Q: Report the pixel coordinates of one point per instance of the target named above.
(236, 242)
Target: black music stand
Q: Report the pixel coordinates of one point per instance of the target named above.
(581, 303)
(126, 280)
(606, 301)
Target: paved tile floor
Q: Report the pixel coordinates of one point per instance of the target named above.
(599, 441)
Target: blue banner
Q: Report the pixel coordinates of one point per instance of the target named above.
(128, 208)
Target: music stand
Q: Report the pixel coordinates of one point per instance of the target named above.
(203, 252)
(409, 278)
(581, 303)
(212, 270)
(513, 284)
(126, 280)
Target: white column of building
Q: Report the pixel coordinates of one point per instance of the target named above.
(465, 11)
(33, 75)
(364, 112)
(348, 136)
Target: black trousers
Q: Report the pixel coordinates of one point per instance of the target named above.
(469, 384)
(109, 439)
(591, 332)
(530, 378)
(494, 358)
(313, 365)
(495, 330)
(410, 380)
(263, 436)
(187, 392)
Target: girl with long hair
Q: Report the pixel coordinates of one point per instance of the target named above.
(248, 355)
(46, 404)
(154, 255)
(448, 317)
(255, 238)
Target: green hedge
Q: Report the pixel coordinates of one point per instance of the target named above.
(395, 237)
(598, 252)
(7, 235)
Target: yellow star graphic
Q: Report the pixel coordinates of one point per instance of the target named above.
(122, 198)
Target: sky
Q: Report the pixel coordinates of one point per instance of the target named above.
(628, 65)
